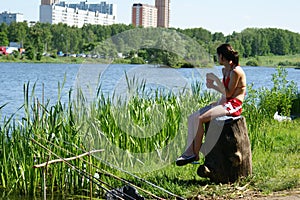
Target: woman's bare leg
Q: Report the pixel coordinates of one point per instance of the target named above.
(193, 124)
(206, 117)
(194, 143)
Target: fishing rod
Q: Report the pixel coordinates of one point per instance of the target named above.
(126, 172)
(102, 170)
(85, 174)
(141, 179)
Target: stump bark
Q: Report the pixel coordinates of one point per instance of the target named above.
(230, 158)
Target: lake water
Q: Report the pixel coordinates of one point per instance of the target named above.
(46, 78)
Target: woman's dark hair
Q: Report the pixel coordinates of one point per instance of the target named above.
(229, 53)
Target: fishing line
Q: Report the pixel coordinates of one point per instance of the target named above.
(133, 175)
(85, 174)
(102, 170)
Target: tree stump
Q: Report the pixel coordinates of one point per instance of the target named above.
(229, 158)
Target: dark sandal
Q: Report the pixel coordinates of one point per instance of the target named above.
(183, 160)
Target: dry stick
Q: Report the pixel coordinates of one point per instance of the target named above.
(66, 159)
(45, 164)
(78, 170)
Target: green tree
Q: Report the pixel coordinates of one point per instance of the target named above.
(248, 36)
(264, 48)
(37, 37)
(89, 47)
(17, 32)
(88, 33)
(3, 39)
(294, 43)
(4, 28)
(46, 37)
(60, 37)
(218, 36)
(76, 41)
(281, 43)
(29, 53)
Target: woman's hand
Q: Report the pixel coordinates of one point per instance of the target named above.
(213, 82)
(212, 76)
(209, 83)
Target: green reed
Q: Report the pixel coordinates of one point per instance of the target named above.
(261, 104)
(79, 125)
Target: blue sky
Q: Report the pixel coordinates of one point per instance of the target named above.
(214, 15)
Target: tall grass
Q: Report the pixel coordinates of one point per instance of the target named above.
(68, 129)
(261, 104)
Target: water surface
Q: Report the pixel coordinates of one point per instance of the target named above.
(47, 78)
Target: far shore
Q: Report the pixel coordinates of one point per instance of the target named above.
(291, 61)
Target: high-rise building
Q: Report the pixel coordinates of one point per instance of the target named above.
(102, 7)
(49, 2)
(8, 18)
(54, 12)
(144, 15)
(163, 13)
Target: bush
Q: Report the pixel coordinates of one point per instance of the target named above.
(16, 54)
(74, 60)
(121, 61)
(285, 63)
(39, 56)
(296, 105)
(187, 65)
(252, 63)
(279, 98)
(53, 55)
(288, 63)
(10, 57)
(137, 60)
(29, 53)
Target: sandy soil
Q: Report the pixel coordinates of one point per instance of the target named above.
(251, 195)
(282, 195)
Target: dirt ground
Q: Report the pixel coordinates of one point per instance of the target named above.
(282, 195)
(251, 195)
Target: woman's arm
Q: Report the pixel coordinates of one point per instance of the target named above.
(213, 82)
(234, 79)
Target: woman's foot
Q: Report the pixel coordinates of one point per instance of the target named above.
(183, 159)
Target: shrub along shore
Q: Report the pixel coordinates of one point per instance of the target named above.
(46, 132)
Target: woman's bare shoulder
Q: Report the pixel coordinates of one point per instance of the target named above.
(239, 71)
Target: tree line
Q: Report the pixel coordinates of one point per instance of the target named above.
(250, 42)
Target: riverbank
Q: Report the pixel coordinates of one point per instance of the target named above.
(266, 61)
(54, 60)
(272, 61)
(48, 132)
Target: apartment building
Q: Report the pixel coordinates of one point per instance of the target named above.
(144, 15)
(8, 18)
(163, 13)
(151, 16)
(102, 7)
(54, 12)
(49, 2)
